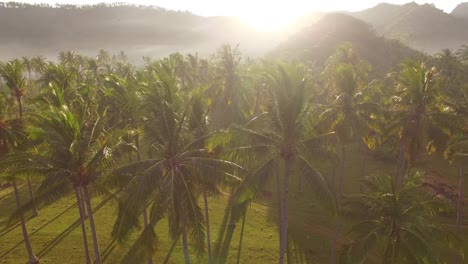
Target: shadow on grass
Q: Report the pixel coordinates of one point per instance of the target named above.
(61, 236)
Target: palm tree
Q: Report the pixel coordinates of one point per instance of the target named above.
(350, 111)
(169, 181)
(457, 149)
(12, 73)
(73, 146)
(416, 112)
(395, 225)
(10, 131)
(283, 137)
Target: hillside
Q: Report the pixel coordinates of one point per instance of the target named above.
(31, 30)
(461, 11)
(317, 42)
(423, 27)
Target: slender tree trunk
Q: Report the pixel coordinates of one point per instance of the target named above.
(168, 256)
(336, 231)
(35, 212)
(280, 211)
(241, 237)
(184, 239)
(461, 196)
(83, 228)
(85, 211)
(284, 226)
(334, 249)
(92, 225)
(208, 234)
(145, 213)
(342, 175)
(32, 258)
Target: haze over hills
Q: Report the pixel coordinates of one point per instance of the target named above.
(423, 27)
(30, 30)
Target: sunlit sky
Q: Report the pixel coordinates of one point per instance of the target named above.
(264, 14)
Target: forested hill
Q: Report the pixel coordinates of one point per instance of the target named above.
(316, 43)
(30, 30)
(423, 27)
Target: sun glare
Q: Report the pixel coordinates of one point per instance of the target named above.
(269, 21)
(274, 15)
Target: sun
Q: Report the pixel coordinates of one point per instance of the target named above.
(274, 15)
(269, 21)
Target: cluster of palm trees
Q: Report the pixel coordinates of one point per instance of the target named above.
(162, 138)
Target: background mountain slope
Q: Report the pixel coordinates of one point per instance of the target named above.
(423, 27)
(319, 41)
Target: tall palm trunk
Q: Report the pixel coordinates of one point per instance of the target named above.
(82, 219)
(241, 238)
(184, 239)
(92, 225)
(284, 225)
(461, 196)
(32, 258)
(83, 206)
(168, 256)
(145, 213)
(280, 210)
(35, 212)
(336, 231)
(207, 219)
(342, 175)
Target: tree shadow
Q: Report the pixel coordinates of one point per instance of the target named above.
(47, 248)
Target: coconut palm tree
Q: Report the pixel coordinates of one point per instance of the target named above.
(12, 73)
(416, 110)
(10, 131)
(73, 146)
(395, 225)
(282, 138)
(170, 181)
(350, 111)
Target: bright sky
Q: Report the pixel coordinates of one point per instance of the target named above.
(264, 14)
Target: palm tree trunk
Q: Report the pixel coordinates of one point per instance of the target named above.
(336, 231)
(31, 193)
(145, 213)
(284, 225)
(85, 211)
(184, 239)
(341, 180)
(83, 228)
(461, 196)
(35, 212)
(91, 223)
(241, 238)
(168, 256)
(208, 234)
(334, 249)
(32, 258)
(280, 211)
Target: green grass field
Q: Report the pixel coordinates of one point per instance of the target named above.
(56, 234)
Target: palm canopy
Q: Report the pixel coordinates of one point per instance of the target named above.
(416, 108)
(283, 137)
(12, 73)
(68, 147)
(397, 225)
(171, 180)
(10, 129)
